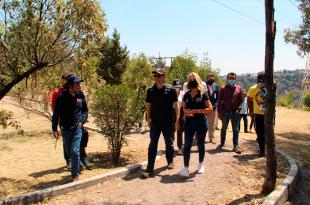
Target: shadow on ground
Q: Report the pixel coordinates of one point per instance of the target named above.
(103, 160)
(246, 198)
(175, 178)
(136, 175)
(58, 170)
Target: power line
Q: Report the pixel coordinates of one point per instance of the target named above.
(238, 12)
(278, 12)
(293, 3)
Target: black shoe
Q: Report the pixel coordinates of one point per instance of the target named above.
(261, 154)
(88, 165)
(146, 174)
(220, 147)
(237, 150)
(75, 178)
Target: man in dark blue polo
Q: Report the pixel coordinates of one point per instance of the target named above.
(161, 99)
(71, 112)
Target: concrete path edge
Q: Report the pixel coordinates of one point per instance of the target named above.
(40, 195)
(284, 190)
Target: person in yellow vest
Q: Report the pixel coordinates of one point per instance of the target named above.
(256, 103)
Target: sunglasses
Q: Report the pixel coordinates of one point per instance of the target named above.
(261, 81)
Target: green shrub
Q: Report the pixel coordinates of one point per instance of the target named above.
(306, 100)
(287, 100)
(116, 109)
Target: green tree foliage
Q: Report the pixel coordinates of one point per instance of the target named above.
(139, 73)
(187, 63)
(182, 66)
(43, 33)
(301, 36)
(306, 100)
(114, 59)
(116, 109)
(138, 76)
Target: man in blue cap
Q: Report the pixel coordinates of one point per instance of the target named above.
(71, 113)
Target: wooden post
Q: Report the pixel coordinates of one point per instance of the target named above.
(271, 166)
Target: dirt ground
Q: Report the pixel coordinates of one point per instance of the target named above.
(31, 162)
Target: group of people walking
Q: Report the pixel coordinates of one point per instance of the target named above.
(193, 110)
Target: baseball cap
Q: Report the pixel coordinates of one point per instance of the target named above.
(159, 71)
(73, 79)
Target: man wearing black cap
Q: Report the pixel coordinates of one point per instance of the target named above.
(256, 103)
(71, 112)
(161, 99)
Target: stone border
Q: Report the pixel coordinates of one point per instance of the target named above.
(283, 191)
(39, 196)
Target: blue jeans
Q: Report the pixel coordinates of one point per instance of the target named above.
(155, 130)
(72, 140)
(192, 126)
(235, 119)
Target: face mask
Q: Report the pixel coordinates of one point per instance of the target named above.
(261, 85)
(231, 82)
(192, 84)
(210, 82)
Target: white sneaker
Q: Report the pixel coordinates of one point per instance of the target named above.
(184, 172)
(201, 168)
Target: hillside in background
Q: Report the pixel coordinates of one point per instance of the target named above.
(289, 82)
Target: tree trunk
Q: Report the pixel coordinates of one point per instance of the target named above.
(271, 166)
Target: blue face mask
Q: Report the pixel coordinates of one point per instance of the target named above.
(231, 82)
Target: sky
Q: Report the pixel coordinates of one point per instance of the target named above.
(232, 32)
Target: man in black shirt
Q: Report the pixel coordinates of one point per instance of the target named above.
(161, 99)
(71, 113)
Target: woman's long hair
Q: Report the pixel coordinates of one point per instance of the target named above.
(201, 88)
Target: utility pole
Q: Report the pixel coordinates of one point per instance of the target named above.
(162, 59)
(269, 117)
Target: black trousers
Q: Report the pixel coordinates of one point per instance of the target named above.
(156, 129)
(245, 120)
(260, 132)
